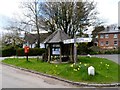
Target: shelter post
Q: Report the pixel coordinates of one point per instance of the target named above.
(71, 52)
(60, 54)
(49, 53)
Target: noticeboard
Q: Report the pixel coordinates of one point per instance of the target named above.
(56, 51)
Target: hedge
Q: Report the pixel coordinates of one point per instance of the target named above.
(8, 51)
(82, 49)
(33, 52)
(11, 51)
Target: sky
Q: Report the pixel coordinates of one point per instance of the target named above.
(108, 11)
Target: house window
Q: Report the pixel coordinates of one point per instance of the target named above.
(115, 42)
(106, 36)
(115, 35)
(101, 43)
(101, 36)
(107, 43)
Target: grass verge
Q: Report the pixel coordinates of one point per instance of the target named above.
(106, 71)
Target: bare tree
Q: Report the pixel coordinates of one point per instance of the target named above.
(12, 38)
(68, 16)
(32, 13)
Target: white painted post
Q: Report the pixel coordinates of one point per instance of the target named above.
(91, 70)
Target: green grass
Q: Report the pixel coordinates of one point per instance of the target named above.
(106, 71)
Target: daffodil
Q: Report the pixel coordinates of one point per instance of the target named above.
(75, 70)
(80, 63)
(78, 69)
(85, 64)
(71, 65)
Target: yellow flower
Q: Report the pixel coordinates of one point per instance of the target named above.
(85, 64)
(80, 63)
(75, 70)
(56, 66)
(78, 69)
(71, 65)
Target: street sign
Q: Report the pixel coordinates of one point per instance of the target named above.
(68, 41)
(84, 40)
(78, 40)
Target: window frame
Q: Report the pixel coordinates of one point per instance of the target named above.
(101, 35)
(115, 44)
(106, 35)
(115, 35)
(107, 43)
(101, 43)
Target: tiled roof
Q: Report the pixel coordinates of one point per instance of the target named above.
(57, 37)
(110, 31)
(32, 38)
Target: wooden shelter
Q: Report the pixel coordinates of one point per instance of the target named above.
(56, 47)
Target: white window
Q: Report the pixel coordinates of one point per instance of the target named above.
(107, 43)
(115, 35)
(106, 35)
(115, 42)
(101, 43)
(101, 36)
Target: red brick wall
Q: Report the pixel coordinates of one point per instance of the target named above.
(111, 40)
(118, 40)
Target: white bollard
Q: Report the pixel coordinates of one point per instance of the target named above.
(88, 55)
(91, 70)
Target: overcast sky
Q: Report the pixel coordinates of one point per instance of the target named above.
(108, 10)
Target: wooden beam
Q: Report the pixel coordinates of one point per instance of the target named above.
(71, 53)
(60, 54)
(49, 53)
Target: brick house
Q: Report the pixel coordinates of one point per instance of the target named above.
(109, 38)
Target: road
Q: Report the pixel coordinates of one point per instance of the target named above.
(112, 57)
(15, 78)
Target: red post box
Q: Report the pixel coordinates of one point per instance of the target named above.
(26, 49)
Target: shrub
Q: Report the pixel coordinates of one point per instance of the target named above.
(119, 50)
(111, 52)
(94, 50)
(82, 48)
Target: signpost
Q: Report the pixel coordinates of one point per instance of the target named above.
(76, 40)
